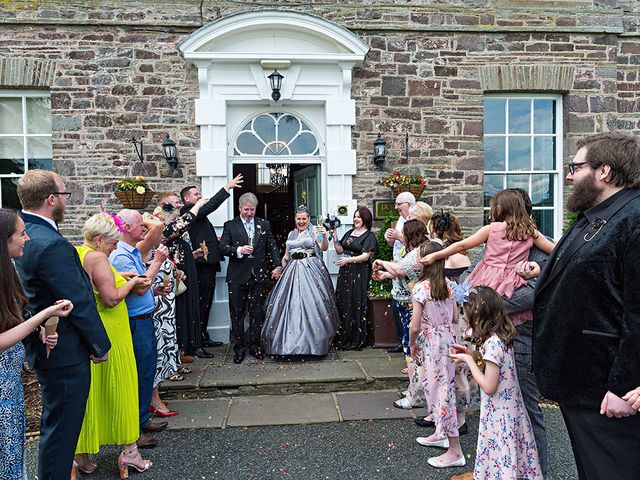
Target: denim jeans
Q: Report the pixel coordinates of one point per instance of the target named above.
(145, 351)
(530, 392)
(405, 320)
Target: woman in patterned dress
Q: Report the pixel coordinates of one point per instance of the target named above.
(164, 317)
(506, 444)
(15, 325)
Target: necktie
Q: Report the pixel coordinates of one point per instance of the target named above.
(249, 227)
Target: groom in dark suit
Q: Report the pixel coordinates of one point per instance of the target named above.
(50, 269)
(252, 251)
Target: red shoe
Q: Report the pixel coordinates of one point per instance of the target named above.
(158, 413)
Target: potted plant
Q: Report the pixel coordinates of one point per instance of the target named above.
(405, 182)
(134, 192)
(382, 330)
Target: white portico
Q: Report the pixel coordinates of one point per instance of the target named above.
(234, 56)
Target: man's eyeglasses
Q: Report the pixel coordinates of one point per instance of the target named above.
(68, 194)
(400, 203)
(573, 166)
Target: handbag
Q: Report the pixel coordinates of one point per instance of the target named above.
(180, 287)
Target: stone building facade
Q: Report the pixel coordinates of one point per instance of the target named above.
(459, 78)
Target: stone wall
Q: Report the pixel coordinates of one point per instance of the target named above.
(118, 74)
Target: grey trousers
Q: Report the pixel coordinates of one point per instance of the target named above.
(530, 392)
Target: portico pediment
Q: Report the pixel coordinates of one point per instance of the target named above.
(276, 34)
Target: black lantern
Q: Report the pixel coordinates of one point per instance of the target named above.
(379, 151)
(276, 83)
(170, 153)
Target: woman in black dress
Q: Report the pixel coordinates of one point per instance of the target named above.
(358, 246)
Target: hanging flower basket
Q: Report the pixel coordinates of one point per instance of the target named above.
(416, 190)
(134, 192)
(134, 200)
(405, 182)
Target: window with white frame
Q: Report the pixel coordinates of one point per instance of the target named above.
(25, 139)
(523, 149)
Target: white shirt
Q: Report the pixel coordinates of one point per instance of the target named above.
(48, 220)
(397, 245)
(246, 224)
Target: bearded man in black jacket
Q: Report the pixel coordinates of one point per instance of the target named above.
(587, 310)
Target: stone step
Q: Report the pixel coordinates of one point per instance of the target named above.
(305, 408)
(369, 369)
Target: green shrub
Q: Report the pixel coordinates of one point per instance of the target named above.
(385, 252)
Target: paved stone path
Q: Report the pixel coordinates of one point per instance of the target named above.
(303, 419)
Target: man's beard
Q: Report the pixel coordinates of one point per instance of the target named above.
(58, 214)
(584, 195)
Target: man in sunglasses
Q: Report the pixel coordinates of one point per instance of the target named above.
(587, 310)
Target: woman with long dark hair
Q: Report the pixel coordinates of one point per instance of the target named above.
(16, 323)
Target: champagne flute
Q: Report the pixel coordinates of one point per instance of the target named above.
(251, 243)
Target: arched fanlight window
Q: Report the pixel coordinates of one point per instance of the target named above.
(280, 134)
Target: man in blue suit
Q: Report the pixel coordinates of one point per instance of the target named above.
(50, 269)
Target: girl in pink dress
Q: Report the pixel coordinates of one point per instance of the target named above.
(432, 331)
(506, 445)
(508, 239)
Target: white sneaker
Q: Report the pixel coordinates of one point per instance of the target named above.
(444, 443)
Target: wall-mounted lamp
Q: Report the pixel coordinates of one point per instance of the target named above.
(170, 153)
(379, 151)
(276, 84)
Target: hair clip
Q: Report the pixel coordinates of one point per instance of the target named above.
(119, 223)
(461, 292)
(444, 221)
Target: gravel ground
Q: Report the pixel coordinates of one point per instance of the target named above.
(381, 449)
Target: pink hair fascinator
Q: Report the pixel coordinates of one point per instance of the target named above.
(116, 219)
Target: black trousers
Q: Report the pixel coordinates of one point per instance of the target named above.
(206, 291)
(64, 400)
(242, 296)
(604, 448)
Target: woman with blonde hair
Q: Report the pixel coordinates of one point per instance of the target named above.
(421, 211)
(112, 413)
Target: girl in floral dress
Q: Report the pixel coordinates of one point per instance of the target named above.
(506, 445)
(432, 331)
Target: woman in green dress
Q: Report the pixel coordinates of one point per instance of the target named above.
(111, 416)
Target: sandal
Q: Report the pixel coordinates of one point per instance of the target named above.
(132, 459)
(403, 403)
(404, 371)
(176, 377)
(184, 370)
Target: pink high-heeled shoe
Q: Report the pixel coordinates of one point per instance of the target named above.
(124, 463)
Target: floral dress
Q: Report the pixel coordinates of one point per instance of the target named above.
(506, 445)
(437, 334)
(12, 414)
